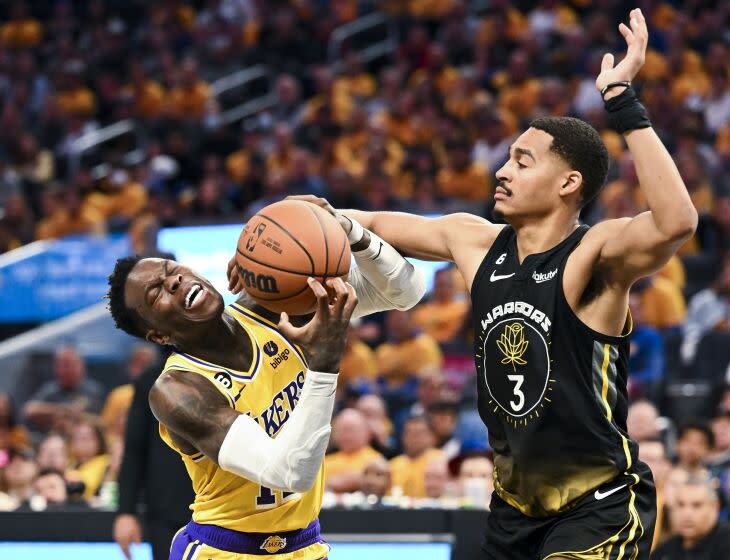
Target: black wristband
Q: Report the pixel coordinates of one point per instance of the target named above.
(625, 113)
(613, 85)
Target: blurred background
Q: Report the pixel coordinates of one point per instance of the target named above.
(160, 127)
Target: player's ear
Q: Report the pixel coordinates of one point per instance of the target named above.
(572, 182)
(157, 337)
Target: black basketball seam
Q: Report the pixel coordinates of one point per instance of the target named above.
(294, 239)
(342, 252)
(284, 269)
(326, 245)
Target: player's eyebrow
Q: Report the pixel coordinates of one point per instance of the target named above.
(523, 152)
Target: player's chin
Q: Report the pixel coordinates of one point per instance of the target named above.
(210, 308)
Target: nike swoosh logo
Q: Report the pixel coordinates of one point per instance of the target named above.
(494, 278)
(599, 496)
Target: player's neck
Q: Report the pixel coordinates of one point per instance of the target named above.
(223, 342)
(249, 303)
(538, 236)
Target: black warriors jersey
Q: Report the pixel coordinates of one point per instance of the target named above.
(552, 391)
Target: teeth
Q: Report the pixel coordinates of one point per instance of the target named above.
(192, 294)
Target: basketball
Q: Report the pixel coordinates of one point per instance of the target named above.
(284, 244)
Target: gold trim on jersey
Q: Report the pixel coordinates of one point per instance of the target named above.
(604, 384)
(605, 550)
(316, 551)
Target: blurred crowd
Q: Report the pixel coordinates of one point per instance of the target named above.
(421, 128)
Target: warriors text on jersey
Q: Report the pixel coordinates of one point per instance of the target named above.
(268, 392)
(552, 391)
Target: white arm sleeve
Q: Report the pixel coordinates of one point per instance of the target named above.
(292, 460)
(383, 279)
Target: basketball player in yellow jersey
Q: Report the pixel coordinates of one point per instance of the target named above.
(246, 398)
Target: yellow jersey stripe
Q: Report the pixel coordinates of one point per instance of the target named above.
(268, 325)
(604, 398)
(604, 376)
(188, 548)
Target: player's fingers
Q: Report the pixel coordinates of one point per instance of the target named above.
(286, 328)
(342, 295)
(607, 62)
(350, 304)
(626, 32)
(322, 297)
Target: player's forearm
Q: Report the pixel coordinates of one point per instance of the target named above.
(671, 207)
(411, 235)
(383, 279)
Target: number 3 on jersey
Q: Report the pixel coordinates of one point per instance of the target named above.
(518, 380)
(269, 498)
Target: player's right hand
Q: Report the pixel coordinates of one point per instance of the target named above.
(323, 338)
(235, 282)
(325, 205)
(127, 531)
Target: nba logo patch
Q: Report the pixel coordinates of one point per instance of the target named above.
(273, 543)
(270, 348)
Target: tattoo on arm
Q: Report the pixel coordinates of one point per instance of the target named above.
(194, 409)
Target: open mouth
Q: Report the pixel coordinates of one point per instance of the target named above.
(195, 295)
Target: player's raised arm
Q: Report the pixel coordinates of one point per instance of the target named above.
(639, 246)
(201, 419)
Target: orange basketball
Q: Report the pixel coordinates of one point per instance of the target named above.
(281, 246)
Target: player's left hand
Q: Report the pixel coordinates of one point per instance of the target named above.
(325, 205)
(636, 37)
(235, 283)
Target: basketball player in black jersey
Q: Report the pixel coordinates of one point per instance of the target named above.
(550, 304)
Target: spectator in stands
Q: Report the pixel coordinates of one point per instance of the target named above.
(376, 478)
(443, 315)
(89, 452)
(700, 536)
(20, 474)
(381, 428)
(436, 478)
(343, 468)
(118, 401)
(408, 470)
(65, 398)
(708, 310)
(461, 178)
(695, 440)
(70, 217)
(119, 199)
(189, 99)
(473, 468)
(51, 486)
(358, 361)
(407, 351)
(12, 435)
(646, 355)
(22, 30)
(653, 452)
(53, 453)
(662, 302)
(719, 459)
(642, 421)
(443, 416)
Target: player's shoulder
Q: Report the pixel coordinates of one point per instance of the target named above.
(470, 228)
(600, 233)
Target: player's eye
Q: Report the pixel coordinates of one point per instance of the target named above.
(521, 165)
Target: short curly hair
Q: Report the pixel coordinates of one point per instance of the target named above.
(581, 147)
(125, 318)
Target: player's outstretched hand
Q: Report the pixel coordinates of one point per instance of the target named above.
(325, 205)
(323, 337)
(235, 283)
(636, 37)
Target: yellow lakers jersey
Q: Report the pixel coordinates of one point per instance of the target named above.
(268, 392)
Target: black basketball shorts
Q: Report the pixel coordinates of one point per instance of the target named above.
(615, 522)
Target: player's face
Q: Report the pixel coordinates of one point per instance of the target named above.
(171, 297)
(528, 182)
